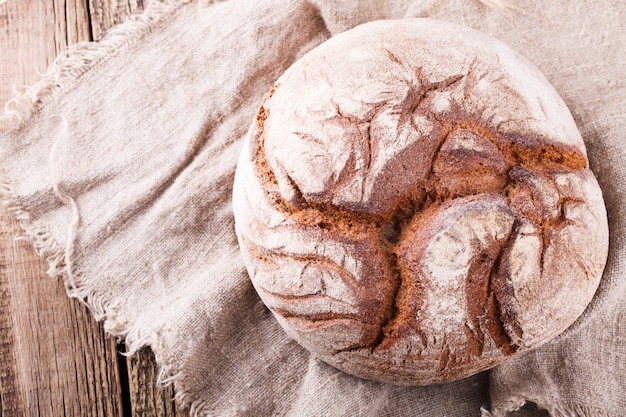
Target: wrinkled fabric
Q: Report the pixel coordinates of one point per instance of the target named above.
(120, 163)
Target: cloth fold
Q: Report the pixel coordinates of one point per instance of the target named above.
(120, 162)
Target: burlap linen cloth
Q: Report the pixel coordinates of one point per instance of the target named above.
(120, 163)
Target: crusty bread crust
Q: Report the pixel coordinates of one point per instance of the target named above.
(414, 204)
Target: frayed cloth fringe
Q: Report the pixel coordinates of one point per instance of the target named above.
(80, 58)
(63, 74)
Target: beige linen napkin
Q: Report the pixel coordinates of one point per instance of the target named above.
(120, 163)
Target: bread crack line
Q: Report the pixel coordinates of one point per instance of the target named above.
(495, 317)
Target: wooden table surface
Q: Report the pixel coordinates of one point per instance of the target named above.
(55, 360)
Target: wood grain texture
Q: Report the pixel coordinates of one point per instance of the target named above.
(146, 397)
(32, 33)
(54, 358)
(107, 13)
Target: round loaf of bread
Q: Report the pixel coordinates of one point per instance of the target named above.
(414, 204)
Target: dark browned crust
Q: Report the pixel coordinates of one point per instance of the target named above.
(489, 291)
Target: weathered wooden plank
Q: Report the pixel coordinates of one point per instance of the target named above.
(11, 398)
(107, 13)
(32, 33)
(55, 359)
(146, 397)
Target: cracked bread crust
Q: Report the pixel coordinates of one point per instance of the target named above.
(414, 204)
